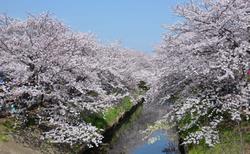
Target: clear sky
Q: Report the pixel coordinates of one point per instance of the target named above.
(136, 23)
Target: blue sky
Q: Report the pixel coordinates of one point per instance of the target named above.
(136, 23)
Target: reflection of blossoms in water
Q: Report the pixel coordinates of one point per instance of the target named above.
(153, 139)
(161, 124)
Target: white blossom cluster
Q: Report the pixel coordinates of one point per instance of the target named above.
(211, 136)
(82, 133)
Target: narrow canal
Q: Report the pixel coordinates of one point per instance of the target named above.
(127, 137)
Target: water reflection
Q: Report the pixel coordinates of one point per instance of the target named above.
(130, 140)
(161, 145)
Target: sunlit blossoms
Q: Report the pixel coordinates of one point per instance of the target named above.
(82, 133)
(209, 51)
(55, 76)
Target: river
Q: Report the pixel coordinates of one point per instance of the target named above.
(127, 138)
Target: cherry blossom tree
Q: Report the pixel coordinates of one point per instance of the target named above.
(60, 75)
(209, 50)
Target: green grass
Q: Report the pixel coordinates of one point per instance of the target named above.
(126, 125)
(126, 104)
(113, 114)
(230, 144)
(96, 119)
(6, 127)
(4, 137)
(110, 116)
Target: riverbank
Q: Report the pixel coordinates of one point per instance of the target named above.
(111, 132)
(233, 140)
(12, 147)
(8, 145)
(129, 135)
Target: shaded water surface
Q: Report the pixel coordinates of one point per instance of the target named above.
(127, 138)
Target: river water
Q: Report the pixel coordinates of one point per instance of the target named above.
(127, 136)
(129, 139)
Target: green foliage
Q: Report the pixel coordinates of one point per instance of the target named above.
(126, 104)
(229, 143)
(110, 116)
(96, 119)
(143, 85)
(247, 137)
(183, 122)
(114, 113)
(229, 137)
(127, 124)
(9, 124)
(6, 127)
(4, 137)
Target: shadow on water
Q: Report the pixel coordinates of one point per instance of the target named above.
(126, 136)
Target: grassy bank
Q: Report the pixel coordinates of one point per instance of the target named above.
(111, 115)
(114, 113)
(232, 141)
(6, 127)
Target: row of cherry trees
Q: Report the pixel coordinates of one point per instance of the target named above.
(203, 63)
(54, 76)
